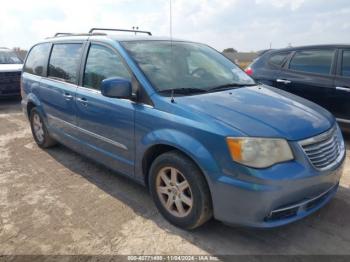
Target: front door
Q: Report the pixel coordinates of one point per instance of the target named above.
(341, 101)
(106, 125)
(309, 75)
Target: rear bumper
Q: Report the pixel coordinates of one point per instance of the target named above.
(275, 202)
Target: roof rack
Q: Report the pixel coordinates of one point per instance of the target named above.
(62, 34)
(91, 32)
(75, 34)
(119, 30)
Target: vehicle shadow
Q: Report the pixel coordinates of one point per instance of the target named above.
(325, 232)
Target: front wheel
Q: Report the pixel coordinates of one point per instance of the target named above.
(179, 190)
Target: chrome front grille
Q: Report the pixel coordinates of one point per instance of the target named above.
(9, 81)
(324, 151)
(10, 76)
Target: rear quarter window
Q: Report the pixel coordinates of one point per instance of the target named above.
(37, 59)
(313, 61)
(64, 62)
(279, 58)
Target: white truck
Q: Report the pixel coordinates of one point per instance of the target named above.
(10, 73)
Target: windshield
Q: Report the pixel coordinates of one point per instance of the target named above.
(183, 65)
(8, 57)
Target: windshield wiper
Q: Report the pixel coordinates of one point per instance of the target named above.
(228, 86)
(184, 90)
(190, 90)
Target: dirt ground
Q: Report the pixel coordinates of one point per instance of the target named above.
(57, 202)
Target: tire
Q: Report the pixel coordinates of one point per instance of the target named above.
(193, 213)
(41, 137)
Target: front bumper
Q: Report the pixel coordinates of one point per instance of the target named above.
(273, 202)
(9, 93)
(10, 84)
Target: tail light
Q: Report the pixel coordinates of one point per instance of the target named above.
(249, 71)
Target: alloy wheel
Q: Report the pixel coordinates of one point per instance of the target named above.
(174, 191)
(38, 128)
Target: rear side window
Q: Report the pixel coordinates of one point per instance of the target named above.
(346, 64)
(103, 63)
(64, 62)
(313, 61)
(37, 59)
(278, 59)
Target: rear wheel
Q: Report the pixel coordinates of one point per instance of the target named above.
(39, 130)
(179, 190)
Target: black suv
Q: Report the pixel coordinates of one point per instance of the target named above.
(318, 73)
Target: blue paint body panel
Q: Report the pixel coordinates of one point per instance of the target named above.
(119, 132)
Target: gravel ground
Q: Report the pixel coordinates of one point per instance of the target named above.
(57, 202)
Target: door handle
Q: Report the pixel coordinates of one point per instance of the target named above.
(68, 96)
(345, 89)
(283, 81)
(83, 101)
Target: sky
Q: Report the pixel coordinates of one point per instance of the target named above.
(246, 25)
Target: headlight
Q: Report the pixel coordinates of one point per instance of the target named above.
(259, 152)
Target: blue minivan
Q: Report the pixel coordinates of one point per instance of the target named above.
(183, 120)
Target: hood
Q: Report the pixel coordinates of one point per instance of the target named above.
(262, 111)
(11, 67)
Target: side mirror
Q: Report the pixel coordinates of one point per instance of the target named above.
(117, 88)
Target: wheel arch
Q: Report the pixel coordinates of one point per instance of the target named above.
(158, 149)
(30, 106)
(151, 154)
(32, 101)
(183, 143)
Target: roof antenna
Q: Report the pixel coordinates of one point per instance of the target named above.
(171, 21)
(172, 96)
(171, 43)
(135, 28)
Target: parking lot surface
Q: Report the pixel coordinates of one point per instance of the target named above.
(57, 202)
